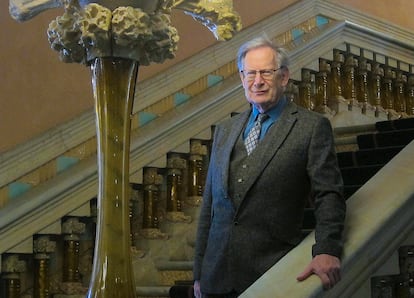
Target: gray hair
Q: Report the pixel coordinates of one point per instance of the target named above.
(282, 58)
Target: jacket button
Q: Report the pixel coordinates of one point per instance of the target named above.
(236, 223)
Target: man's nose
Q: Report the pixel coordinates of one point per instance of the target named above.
(258, 78)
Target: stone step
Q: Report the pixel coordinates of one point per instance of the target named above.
(156, 291)
(359, 175)
(366, 157)
(385, 139)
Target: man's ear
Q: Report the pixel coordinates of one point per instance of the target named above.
(241, 76)
(285, 76)
(242, 79)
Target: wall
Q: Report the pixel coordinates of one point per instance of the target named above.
(39, 92)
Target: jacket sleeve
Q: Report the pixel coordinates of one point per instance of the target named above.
(326, 190)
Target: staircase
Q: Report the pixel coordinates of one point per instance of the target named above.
(55, 216)
(371, 152)
(375, 149)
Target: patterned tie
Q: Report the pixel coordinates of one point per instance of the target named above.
(252, 138)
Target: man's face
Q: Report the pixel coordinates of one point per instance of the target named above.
(263, 89)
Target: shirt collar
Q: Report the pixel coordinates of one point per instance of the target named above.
(274, 112)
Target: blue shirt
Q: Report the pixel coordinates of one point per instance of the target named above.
(273, 113)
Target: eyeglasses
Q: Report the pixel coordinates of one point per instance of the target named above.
(266, 74)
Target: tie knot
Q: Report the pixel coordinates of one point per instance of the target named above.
(262, 117)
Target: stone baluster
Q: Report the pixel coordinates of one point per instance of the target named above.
(410, 93)
(196, 172)
(387, 100)
(406, 264)
(382, 286)
(377, 75)
(72, 228)
(400, 86)
(336, 76)
(322, 88)
(150, 221)
(11, 268)
(176, 166)
(42, 248)
(362, 89)
(306, 89)
(406, 259)
(351, 65)
(152, 181)
(292, 91)
(135, 214)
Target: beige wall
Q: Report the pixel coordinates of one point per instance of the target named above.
(39, 92)
(398, 12)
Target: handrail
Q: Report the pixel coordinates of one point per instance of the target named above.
(379, 218)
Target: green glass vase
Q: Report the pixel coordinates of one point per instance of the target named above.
(113, 82)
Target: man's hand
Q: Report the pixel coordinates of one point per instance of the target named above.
(197, 290)
(325, 266)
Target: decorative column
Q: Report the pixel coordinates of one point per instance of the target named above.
(336, 76)
(350, 81)
(400, 84)
(382, 286)
(42, 248)
(292, 91)
(176, 165)
(362, 83)
(11, 269)
(377, 75)
(150, 221)
(387, 100)
(306, 90)
(152, 181)
(115, 37)
(71, 281)
(136, 202)
(196, 172)
(405, 287)
(134, 206)
(410, 93)
(322, 88)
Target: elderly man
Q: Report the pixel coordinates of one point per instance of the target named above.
(265, 165)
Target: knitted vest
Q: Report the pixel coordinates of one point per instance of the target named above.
(240, 163)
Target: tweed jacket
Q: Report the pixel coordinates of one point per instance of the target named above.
(294, 162)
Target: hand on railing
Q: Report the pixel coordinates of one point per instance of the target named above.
(325, 266)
